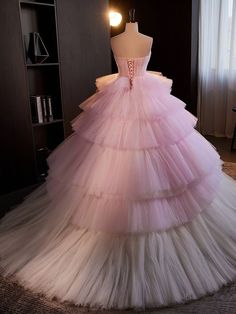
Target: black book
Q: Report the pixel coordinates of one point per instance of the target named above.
(36, 109)
(49, 108)
(44, 108)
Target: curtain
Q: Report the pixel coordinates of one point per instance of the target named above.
(217, 67)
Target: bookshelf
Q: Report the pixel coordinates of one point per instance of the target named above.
(43, 78)
(76, 34)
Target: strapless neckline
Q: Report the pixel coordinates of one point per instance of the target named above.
(132, 58)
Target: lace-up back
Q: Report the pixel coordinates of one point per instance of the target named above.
(132, 67)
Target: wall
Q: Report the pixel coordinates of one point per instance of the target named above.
(83, 30)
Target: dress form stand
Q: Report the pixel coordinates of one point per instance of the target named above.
(131, 43)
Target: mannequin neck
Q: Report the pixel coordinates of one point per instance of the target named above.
(131, 27)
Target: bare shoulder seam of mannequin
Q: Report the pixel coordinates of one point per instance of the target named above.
(124, 35)
(143, 38)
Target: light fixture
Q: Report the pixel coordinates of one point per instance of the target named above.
(115, 18)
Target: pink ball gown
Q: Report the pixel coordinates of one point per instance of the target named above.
(135, 212)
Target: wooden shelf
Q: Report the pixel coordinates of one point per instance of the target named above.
(43, 78)
(22, 163)
(41, 64)
(40, 19)
(38, 3)
(46, 123)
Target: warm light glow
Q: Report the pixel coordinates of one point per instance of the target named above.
(115, 18)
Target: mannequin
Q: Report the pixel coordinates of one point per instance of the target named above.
(131, 43)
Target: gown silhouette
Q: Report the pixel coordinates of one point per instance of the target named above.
(135, 212)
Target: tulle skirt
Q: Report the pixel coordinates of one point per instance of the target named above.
(135, 211)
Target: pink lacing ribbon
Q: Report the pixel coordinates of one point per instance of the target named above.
(130, 64)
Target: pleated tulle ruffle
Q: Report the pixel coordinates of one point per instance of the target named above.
(112, 214)
(133, 173)
(121, 271)
(135, 211)
(135, 133)
(148, 99)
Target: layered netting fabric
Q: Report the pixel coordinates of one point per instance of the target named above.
(135, 211)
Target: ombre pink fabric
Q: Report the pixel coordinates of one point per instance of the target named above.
(134, 163)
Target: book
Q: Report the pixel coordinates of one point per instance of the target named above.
(36, 109)
(41, 108)
(44, 108)
(49, 107)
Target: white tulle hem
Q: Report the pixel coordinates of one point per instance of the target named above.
(105, 270)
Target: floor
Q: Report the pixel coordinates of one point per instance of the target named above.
(223, 147)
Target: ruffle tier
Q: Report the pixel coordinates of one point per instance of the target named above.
(134, 190)
(134, 174)
(105, 270)
(134, 158)
(115, 215)
(149, 98)
(105, 80)
(133, 134)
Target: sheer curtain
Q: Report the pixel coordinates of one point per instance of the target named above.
(217, 67)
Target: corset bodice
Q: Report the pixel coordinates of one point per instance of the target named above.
(132, 67)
